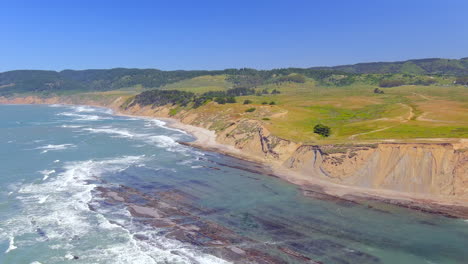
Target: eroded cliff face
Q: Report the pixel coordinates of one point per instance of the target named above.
(422, 168)
(439, 169)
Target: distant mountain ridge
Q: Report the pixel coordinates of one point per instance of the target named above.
(24, 81)
(416, 66)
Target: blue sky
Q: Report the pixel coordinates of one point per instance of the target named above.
(221, 34)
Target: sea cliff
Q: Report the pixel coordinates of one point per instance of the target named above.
(430, 176)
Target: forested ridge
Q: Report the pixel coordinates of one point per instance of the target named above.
(387, 74)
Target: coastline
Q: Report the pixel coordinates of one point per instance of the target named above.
(311, 186)
(205, 140)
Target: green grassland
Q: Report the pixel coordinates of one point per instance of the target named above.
(201, 84)
(425, 98)
(354, 112)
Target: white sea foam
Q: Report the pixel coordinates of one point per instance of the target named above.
(162, 124)
(71, 126)
(63, 216)
(51, 147)
(80, 117)
(90, 109)
(46, 173)
(113, 131)
(43, 199)
(11, 245)
(56, 105)
(161, 141)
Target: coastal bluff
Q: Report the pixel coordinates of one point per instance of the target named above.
(436, 171)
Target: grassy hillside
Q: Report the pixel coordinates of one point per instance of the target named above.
(201, 84)
(422, 66)
(414, 72)
(370, 101)
(353, 112)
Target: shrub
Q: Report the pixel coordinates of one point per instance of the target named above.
(220, 100)
(378, 91)
(297, 78)
(266, 118)
(272, 103)
(231, 100)
(322, 130)
(163, 97)
(247, 101)
(173, 111)
(239, 91)
(199, 101)
(275, 92)
(250, 110)
(264, 103)
(425, 82)
(462, 80)
(391, 83)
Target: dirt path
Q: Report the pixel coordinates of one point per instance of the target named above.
(422, 96)
(402, 119)
(373, 131)
(410, 113)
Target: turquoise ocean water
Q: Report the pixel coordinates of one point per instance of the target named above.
(53, 159)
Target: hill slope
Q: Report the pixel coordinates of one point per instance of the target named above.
(420, 66)
(67, 81)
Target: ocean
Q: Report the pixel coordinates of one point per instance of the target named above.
(81, 185)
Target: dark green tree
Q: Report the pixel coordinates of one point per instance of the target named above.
(220, 100)
(231, 100)
(378, 91)
(322, 130)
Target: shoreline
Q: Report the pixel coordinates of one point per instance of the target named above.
(205, 139)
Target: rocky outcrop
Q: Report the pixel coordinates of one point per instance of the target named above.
(251, 136)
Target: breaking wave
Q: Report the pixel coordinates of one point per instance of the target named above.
(57, 212)
(89, 109)
(161, 141)
(80, 117)
(50, 147)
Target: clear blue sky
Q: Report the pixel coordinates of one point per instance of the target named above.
(227, 34)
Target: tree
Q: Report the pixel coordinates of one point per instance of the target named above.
(220, 100)
(275, 92)
(391, 83)
(462, 80)
(247, 101)
(322, 130)
(378, 91)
